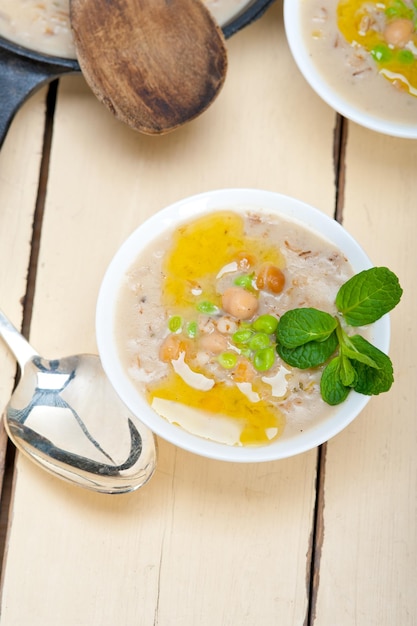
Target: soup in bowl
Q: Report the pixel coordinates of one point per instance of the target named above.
(45, 26)
(360, 56)
(188, 320)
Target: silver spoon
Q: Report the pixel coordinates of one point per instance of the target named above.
(65, 416)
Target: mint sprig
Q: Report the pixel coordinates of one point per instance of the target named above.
(368, 296)
(307, 337)
(332, 388)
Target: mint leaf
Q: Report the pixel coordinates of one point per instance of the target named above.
(354, 355)
(311, 354)
(332, 389)
(370, 380)
(369, 295)
(347, 372)
(300, 326)
(349, 349)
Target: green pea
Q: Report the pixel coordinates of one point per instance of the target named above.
(242, 336)
(399, 10)
(192, 329)
(207, 307)
(264, 359)
(393, 12)
(405, 56)
(175, 323)
(227, 360)
(259, 341)
(244, 281)
(381, 53)
(265, 324)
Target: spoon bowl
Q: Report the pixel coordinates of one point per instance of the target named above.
(154, 64)
(65, 416)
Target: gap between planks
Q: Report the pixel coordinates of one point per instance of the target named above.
(317, 533)
(6, 486)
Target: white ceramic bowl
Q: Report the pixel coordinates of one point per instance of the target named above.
(353, 107)
(168, 218)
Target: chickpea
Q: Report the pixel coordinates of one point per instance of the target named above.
(398, 32)
(213, 342)
(239, 303)
(170, 348)
(270, 278)
(244, 372)
(245, 260)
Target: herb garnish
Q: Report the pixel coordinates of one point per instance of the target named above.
(307, 337)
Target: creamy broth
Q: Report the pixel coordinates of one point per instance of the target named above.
(185, 357)
(44, 25)
(38, 25)
(346, 39)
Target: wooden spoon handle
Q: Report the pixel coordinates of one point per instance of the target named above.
(155, 64)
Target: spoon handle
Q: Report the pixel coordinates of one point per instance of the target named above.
(22, 350)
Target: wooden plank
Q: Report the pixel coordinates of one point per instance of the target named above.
(19, 176)
(20, 159)
(368, 561)
(204, 542)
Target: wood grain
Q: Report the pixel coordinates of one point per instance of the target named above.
(20, 159)
(19, 177)
(207, 542)
(154, 64)
(368, 561)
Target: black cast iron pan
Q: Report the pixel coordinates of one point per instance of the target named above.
(23, 71)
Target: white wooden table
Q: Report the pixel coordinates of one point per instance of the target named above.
(327, 538)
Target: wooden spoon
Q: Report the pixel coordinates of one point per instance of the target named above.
(155, 64)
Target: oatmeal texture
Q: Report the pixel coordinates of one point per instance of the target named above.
(38, 25)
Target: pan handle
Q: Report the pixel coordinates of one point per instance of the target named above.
(21, 74)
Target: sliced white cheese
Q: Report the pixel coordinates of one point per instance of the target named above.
(189, 376)
(226, 269)
(278, 382)
(220, 428)
(395, 76)
(246, 389)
